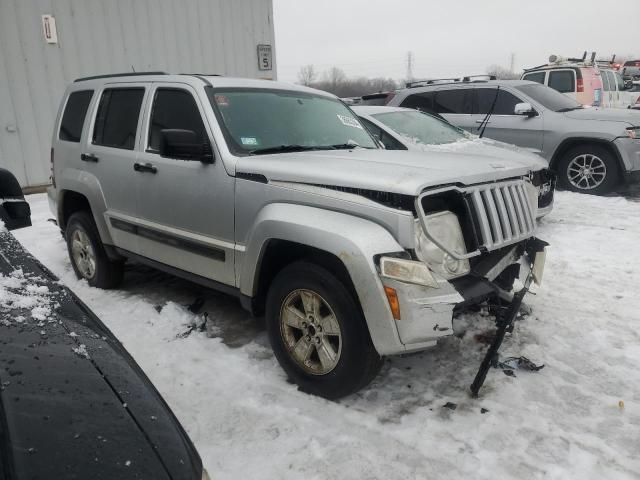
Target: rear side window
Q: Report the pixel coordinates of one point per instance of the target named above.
(534, 77)
(563, 81)
(117, 118)
(605, 81)
(174, 109)
(453, 101)
(419, 101)
(74, 115)
(505, 102)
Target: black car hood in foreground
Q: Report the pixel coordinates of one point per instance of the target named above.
(66, 415)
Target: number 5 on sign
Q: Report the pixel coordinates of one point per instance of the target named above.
(264, 57)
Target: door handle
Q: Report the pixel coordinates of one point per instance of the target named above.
(88, 157)
(144, 167)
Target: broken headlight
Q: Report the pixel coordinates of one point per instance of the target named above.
(445, 228)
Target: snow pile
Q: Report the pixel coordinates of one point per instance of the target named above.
(21, 294)
(579, 417)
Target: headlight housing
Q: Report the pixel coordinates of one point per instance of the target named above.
(445, 227)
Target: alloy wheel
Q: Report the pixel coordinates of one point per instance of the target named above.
(586, 171)
(83, 254)
(311, 331)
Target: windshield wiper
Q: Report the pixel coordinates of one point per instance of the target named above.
(569, 109)
(283, 149)
(346, 146)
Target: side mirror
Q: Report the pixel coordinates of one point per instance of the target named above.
(524, 108)
(14, 210)
(184, 145)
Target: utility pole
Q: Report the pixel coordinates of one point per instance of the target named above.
(409, 66)
(512, 64)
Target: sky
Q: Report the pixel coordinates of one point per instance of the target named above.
(447, 38)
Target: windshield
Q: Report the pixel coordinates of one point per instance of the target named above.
(549, 98)
(420, 128)
(259, 121)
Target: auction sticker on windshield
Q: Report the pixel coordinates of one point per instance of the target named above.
(349, 121)
(253, 141)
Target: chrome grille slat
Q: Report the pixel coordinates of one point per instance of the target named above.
(485, 229)
(502, 210)
(496, 227)
(511, 209)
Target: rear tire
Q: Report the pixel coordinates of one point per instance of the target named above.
(318, 332)
(589, 169)
(87, 254)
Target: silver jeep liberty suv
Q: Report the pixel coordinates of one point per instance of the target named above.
(276, 194)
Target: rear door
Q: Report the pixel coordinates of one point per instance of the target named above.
(109, 151)
(456, 106)
(504, 124)
(185, 216)
(564, 81)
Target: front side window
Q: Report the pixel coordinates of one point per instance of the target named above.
(537, 77)
(549, 98)
(387, 140)
(457, 100)
(174, 109)
(74, 114)
(505, 102)
(619, 82)
(564, 81)
(420, 128)
(260, 121)
(117, 118)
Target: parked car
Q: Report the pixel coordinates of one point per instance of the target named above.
(588, 82)
(73, 403)
(631, 70)
(277, 194)
(635, 89)
(399, 128)
(591, 149)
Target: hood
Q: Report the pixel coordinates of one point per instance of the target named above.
(403, 172)
(627, 116)
(489, 152)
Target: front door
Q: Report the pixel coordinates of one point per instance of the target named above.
(504, 124)
(185, 212)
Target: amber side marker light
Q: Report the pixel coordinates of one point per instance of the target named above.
(394, 303)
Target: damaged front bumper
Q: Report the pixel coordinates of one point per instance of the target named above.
(426, 314)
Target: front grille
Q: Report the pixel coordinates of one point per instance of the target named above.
(503, 213)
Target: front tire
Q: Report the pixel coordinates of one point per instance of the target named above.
(87, 254)
(589, 169)
(318, 333)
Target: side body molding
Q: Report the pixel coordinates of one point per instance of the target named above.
(353, 240)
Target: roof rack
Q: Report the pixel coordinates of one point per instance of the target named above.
(111, 75)
(466, 79)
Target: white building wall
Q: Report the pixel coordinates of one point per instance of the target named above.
(107, 36)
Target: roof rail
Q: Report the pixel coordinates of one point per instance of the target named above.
(429, 81)
(486, 77)
(111, 75)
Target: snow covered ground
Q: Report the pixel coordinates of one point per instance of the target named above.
(579, 417)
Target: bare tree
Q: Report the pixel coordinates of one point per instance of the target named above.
(502, 73)
(307, 75)
(335, 77)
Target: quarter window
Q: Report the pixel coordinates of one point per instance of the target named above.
(74, 115)
(537, 77)
(117, 118)
(387, 140)
(457, 100)
(174, 109)
(419, 101)
(505, 103)
(563, 81)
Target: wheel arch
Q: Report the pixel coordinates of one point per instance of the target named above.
(569, 143)
(344, 244)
